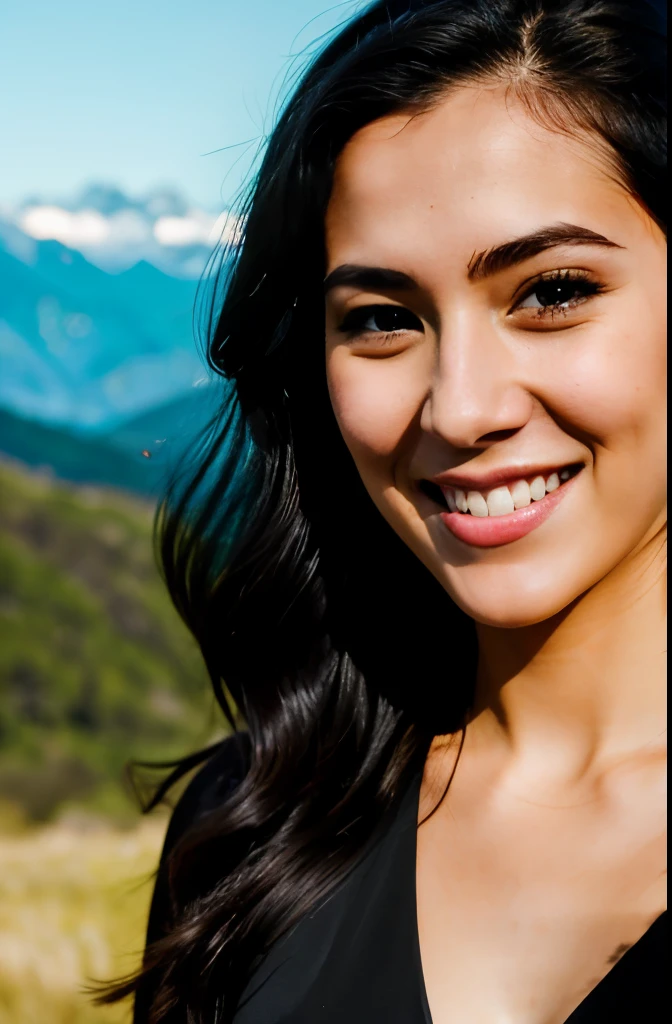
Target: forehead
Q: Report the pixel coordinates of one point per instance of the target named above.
(470, 172)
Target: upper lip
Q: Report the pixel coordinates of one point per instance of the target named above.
(495, 477)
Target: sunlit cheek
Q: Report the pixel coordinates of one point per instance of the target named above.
(614, 390)
(375, 405)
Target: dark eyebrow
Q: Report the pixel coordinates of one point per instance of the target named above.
(481, 265)
(508, 254)
(369, 278)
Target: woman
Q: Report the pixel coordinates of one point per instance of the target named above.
(423, 549)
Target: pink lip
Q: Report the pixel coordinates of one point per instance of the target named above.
(495, 477)
(491, 531)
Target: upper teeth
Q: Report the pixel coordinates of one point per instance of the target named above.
(500, 501)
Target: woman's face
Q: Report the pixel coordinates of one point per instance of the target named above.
(495, 350)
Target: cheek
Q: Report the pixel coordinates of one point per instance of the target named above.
(375, 403)
(613, 389)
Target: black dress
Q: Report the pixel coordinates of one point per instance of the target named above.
(355, 959)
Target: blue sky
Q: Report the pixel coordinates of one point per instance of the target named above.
(136, 91)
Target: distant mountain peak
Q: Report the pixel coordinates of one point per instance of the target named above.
(109, 199)
(106, 199)
(114, 230)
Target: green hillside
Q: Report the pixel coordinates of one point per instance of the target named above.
(95, 665)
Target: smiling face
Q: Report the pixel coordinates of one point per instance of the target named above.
(504, 404)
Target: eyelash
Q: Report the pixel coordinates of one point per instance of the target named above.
(354, 320)
(586, 285)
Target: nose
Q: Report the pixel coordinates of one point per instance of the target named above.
(477, 395)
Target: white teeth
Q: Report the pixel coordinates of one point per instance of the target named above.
(520, 492)
(500, 502)
(538, 488)
(477, 504)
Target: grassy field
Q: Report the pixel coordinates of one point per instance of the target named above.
(73, 906)
(95, 669)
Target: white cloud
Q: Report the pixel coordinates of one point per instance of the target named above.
(176, 239)
(196, 228)
(180, 230)
(85, 227)
(128, 227)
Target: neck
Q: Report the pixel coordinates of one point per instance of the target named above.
(585, 689)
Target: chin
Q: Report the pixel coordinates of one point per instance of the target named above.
(505, 601)
(517, 617)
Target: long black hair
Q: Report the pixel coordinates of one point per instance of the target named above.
(328, 635)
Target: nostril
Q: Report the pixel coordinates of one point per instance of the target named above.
(498, 435)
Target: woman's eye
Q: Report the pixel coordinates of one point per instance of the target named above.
(558, 292)
(385, 319)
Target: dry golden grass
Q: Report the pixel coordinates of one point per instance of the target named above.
(73, 906)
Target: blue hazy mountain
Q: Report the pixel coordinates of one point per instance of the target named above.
(100, 376)
(108, 199)
(161, 228)
(83, 348)
(136, 455)
(69, 456)
(167, 430)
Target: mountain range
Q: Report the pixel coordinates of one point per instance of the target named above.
(99, 365)
(114, 230)
(68, 456)
(135, 456)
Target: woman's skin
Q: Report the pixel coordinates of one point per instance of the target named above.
(546, 859)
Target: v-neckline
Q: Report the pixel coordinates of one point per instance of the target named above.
(417, 956)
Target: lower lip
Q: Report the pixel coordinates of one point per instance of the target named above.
(491, 531)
